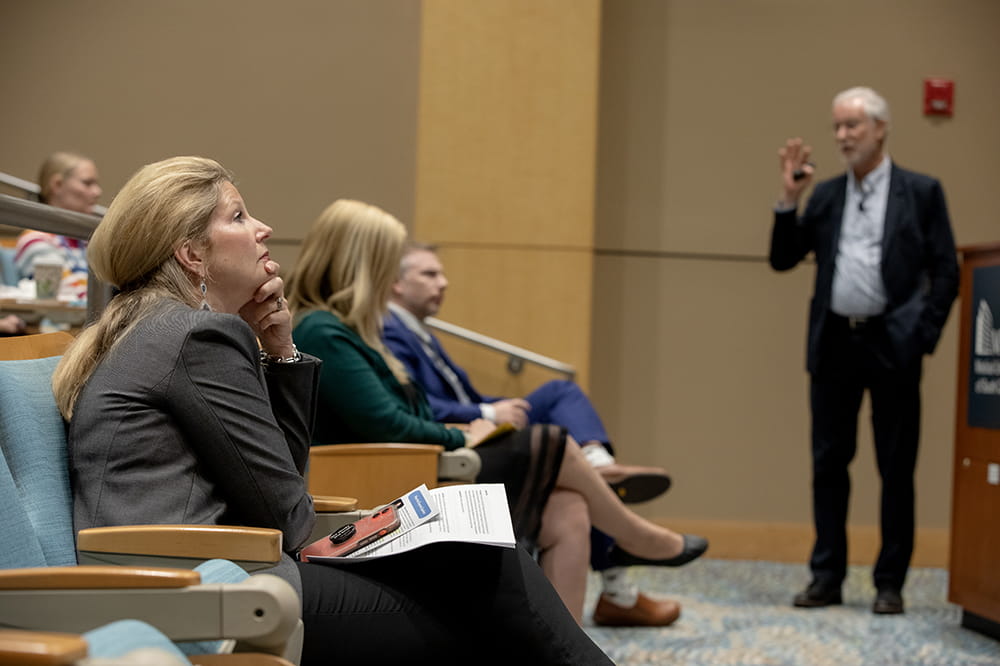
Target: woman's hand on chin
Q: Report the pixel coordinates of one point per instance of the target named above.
(268, 316)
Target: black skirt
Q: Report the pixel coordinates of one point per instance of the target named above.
(527, 462)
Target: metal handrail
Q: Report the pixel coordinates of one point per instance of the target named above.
(34, 190)
(25, 186)
(16, 212)
(516, 356)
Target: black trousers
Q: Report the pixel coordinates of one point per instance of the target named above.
(856, 359)
(443, 604)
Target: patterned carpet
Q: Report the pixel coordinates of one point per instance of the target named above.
(739, 612)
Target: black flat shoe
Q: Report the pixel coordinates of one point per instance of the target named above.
(818, 595)
(694, 547)
(640, 487)
(888, 601)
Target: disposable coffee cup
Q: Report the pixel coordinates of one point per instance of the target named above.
(48, 275)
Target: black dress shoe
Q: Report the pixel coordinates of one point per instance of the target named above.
(818, 595)
(888, 601)
(694, 546)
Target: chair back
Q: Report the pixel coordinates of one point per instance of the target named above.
(373, 473)
(36, 526)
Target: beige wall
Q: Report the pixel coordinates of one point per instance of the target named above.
(306, 100)
(698, 352)
(505, 170)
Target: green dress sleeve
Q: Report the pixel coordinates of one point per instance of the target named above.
(358, 390)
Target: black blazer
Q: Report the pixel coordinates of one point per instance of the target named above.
(919, 265)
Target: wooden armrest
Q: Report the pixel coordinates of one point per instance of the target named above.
(43, 648)
(85, 577)
(379, 449)
(254, 544)
(238, 659)
(333, 504)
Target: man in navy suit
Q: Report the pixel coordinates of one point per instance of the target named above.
(886, 277)
(417, 294)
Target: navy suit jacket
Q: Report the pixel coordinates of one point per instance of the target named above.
(406, 346)
(919, 264)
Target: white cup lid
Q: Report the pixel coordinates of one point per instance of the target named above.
(48, 261)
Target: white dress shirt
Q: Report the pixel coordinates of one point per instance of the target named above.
(858, 289)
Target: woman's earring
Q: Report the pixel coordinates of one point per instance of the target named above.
(204, 296)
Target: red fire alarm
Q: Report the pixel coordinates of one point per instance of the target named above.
(939, 97)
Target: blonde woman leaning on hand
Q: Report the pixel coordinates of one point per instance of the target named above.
(176, 416)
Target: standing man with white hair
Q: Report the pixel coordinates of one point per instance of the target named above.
(886, 277)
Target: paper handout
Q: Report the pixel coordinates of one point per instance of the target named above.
(469, 513)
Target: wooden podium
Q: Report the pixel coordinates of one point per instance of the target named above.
(974, 580)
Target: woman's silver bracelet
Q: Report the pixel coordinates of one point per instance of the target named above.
(268, 358)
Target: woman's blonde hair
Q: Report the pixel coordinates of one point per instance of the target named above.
(60, 163)
(349, 261)
(161, 207)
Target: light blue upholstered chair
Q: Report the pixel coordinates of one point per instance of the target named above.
(37, 543)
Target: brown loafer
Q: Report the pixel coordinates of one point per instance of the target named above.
(646, 612)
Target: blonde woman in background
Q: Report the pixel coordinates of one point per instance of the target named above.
(70, 181)
(339, 291)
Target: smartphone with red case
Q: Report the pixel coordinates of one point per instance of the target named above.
(355, 535)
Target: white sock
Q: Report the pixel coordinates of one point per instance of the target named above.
(618, 588)
(597, 455)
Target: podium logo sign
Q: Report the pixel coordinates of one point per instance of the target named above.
(984, 373)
